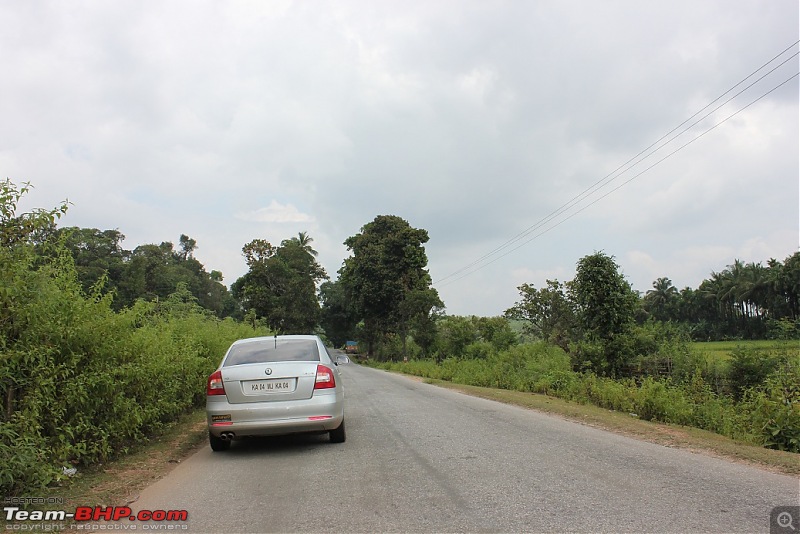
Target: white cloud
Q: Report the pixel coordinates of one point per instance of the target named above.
(276, 213)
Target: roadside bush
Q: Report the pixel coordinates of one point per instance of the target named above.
(775, 409)
(658, 400)
(479, 350)
(749, 368)
(710, 411)
(607, 393)
(557, 383)
(588, 357)
(81, 382)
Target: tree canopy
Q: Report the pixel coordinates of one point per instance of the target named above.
(385, 279)
(281, 284)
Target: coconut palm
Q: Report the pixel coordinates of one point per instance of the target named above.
(660, 300)
(304, 240)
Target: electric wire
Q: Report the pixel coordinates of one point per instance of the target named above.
(595, 201)
(625, 167)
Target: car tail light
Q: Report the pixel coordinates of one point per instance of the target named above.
(215, 385)
(325, 379)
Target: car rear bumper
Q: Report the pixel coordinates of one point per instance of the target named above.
(321, 413)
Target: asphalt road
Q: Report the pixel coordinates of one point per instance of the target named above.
(424, 459)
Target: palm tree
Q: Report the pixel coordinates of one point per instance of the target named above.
(660, 299)
(304, 240)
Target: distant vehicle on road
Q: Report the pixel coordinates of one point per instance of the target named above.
(351, 347)
(268, 386)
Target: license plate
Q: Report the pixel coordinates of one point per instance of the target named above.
(276, 385)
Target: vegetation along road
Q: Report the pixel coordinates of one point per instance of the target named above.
(423, 458)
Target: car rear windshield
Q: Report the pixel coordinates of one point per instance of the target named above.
(269, 351)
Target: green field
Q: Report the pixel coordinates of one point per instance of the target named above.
(722, 350)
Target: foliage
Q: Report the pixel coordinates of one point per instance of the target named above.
(83, 382)
(604, 300)
(784, 329)
(460, 337)
(775, 408)
(742, 301)
(281, 284)
(80, 381)
(30, 227)
(336, 319)
(662, 300)
(591, 316)
(547, 313)
(149, 272)
(385, 279)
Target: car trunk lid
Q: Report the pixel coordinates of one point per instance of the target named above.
(268, 382)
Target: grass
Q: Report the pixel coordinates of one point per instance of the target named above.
(722, 350)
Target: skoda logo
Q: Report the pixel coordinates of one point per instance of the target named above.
(268, 371)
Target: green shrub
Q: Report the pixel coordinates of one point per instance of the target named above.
(82, 382)
(749, 368)
(775, 409)
(479, 350)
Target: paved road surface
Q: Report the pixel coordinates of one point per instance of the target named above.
(424, 459)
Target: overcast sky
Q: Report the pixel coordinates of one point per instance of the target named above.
(475, 120)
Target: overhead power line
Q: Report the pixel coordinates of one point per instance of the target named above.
(643, 155)
(595, 201)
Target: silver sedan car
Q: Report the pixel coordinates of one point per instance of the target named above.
(269, 386)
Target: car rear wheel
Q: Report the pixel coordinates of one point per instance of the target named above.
(338, 435)
(218, 444)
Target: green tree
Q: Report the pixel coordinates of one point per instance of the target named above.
(456, 333)
(98, 255)
(29, 227)
(605, 305)
(547, 313)
(784, 280)
(497, 331)
(153, 272)
(280, 285)
(336, 319)
(188, 246)
(385, 278)
(304, 240)
(661, 301)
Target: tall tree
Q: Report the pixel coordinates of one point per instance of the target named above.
(385, 279)
(97, 254)
(305, 240)
(188, 246)
(605, 305)
(661, 301)
(337, 319)
(280, 285)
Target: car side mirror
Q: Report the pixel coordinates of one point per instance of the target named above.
(342, 359)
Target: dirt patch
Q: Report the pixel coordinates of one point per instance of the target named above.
(119, 483)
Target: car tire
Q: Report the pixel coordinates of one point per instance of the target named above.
(218, 444)
(338, 435)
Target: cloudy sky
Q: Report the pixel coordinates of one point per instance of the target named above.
(500, 127)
